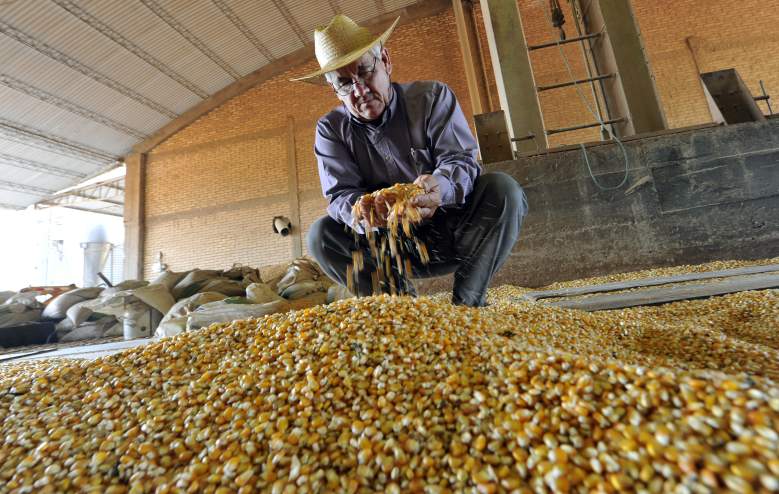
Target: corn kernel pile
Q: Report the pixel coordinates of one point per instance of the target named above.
(394, 394)
(393, 245)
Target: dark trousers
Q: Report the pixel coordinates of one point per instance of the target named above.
(473, 241)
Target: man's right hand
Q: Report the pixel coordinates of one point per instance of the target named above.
(374, 212)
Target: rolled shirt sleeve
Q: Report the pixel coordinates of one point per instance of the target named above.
(338, 174)
(453, 147)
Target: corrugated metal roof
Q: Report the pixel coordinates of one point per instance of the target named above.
(103, 74)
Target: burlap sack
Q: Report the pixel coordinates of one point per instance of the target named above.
(58, 307)
(303, 289)
(193, 282)
(156, 296)
(226, 286)
(5, 296)
(218, 312)
(316, 298)
(78, 313)
(338, 292)
(260, 293)
(169, 279)
(10, 319)
(170, 325)
(300, 270)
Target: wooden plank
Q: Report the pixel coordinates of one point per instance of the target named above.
(514, 73)
(663, 280)
(294, 194)
(474, 72)
(654, 296)
(134, 215)
(19, 355)
(92, 351)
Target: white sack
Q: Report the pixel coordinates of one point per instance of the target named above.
(58, 308)
(171, 324)
(338, 292)
(9, 319)
(156, 296)
(169, 279)
(78, 313)
(260, 293)
(5, 296)
(303, 289)
(206, 316)
(192, 283)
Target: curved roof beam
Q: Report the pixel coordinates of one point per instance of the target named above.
(171, 21)
(103, 28)
(408, 14)
(17, 132)
(241, 26)
(52, 99)
(25, 189)
(74, 64)
(36, 166)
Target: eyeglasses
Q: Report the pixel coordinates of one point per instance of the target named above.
(363, 76)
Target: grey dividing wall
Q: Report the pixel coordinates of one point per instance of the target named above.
(694, 196)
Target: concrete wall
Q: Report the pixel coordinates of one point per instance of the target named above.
(212, 188)
(691, 197)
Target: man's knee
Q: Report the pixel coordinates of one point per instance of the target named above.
(316, 237)
(506, 190)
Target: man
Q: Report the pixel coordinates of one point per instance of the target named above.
(385, 133)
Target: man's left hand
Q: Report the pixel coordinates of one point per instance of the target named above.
(428, 202)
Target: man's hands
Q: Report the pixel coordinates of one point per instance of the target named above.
(428, 202)
(374, 211)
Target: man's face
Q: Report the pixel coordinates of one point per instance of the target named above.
(370, 96)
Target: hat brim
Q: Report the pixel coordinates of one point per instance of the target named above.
(350, 57)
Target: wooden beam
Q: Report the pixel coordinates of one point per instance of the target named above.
(472, 60)
(662, 280)
(633, 95)
(134, 215)
(408, 14)
(656, 296)
(514, 73)
(292, 190)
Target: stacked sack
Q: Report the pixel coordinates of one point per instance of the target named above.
(206, 297)
(19, 308)
(77, 319)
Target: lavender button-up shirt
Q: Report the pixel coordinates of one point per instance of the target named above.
(422, 131)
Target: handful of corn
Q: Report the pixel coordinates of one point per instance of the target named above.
(398, 394)
(390, 246)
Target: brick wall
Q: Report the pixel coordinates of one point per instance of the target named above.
(723, 33)
(213, 187)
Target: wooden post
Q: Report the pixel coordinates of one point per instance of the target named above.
(633, 94)
(292, 186)
(513, 73)
(134, 224)
(469, 47)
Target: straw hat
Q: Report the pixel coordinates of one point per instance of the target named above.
(342, 42)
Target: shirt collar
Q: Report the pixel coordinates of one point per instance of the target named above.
(385, 117)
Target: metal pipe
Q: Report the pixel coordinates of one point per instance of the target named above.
(563, 41)
(766, 97)
(583, 126)
(588, 64)
(575, 82)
